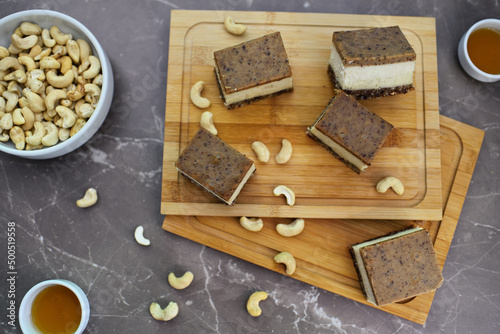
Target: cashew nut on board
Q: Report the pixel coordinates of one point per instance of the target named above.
(196, 98)
(139, 236)
(251, 224)
(286, 152)
(261, 151)
(253, 307)
(288, 260)
(89, 199)
(182, 282)
(234, 28)
(391, 182)
(207, 122)
(287, 192)
(289, 230)
(166, 314)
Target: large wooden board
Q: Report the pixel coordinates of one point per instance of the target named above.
(321, 250)
(324, 187)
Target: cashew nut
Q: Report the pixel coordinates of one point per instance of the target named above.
(89, 199)
(288, 260)
(253, 307)
(289, 230)
(93, 94)
(12, 99)
(4, 52)
(139, 236)
(49, 63)
(66, 64)
(391, 182)
(166, 314)
(14, 50)
(44, 53)
(252, 224)
(51, 134)
(261, 151)
(47, 40)
(60, 81)
(77, 93)
(30, 28)
(207, 122)
(73, 50)
(196, 98)
(94, 69)
(77, 127)
(98, 80)
(85, 50)
(68, 117)
(287, 192)
(60, 38)
(234, 28)
(53, 97)
(36, 102)
(84, 110)
(24, 43)
(6, 122)
(64, 134)
(17, 117)
(4, 136)
(29, 118)
(35, 138)
(18, 76)
(28, 62)
(286, 152)
(180, 282)
(10, 62)
(18, 138)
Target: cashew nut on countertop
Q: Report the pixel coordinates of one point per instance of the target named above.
(253, 307)
(391, 182)
(207, 122)
(289, 230)
(182, 282)
(288, 260)
(261, 151)
(287, 192)
(196, 98)
(139, 236)
(286, 152)
(252, 224)
(166, 314)
(234, 28)
(89, 199)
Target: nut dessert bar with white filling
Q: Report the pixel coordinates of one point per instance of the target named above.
(350, 131)
(397, 267)
(215, 166)
(371, 63)
(253, 70)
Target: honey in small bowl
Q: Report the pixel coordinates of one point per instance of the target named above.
(483, 48)
(56, 309)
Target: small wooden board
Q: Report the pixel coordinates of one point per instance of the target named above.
(321, 250)
(324, 186)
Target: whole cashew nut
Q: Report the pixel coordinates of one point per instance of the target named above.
(68, 117)
(93, 93)
(84, 47)
(24, 43)
(49, 63)
(35, 138)
(30, 28)
(196, 98)
(89, 199)
(60, 38)
(207, 122)
(286, 152)
(234, 28)
(63, 134)
(287, 192)
(166, 314)
(6, 122)
(66, 63)
(261, 151)
(85, 110)
(255, 298)
(18, 76)
(73, 50)
(4, 52)
(10, 62)
(180, 282)
(391, 182)
(94, 69)
(53, 97)
(252, 224)
(18, 138)
(28, 62)
(35, 101)
(289, 230)
(60, 81)
(29, 118)
(47, 40)
(139, 236)
(12, 99)
(77, 127)
(17, 117)
(288, 260)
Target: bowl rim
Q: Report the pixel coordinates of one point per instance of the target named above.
(53, 151)
(474, 27)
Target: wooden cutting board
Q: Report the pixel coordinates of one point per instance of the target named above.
(321, 250)
(324, 187)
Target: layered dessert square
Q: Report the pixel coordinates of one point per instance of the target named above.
(253, 70)
(397, 267)
(215, 166)
(371, 63)
(350, 131)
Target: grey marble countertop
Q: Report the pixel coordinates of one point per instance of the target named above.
(95, 247)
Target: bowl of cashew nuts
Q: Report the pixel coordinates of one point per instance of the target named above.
(56, 84)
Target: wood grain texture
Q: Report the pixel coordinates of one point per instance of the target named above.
(321, 250)
(324, 186)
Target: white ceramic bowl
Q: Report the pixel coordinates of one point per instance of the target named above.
(67, 24)
(25, 321)
(463, 55)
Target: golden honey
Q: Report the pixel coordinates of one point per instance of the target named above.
(56, 309)
(483, 47)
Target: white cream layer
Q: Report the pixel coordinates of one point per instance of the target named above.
(342, 152)
(361, 267)
(371, 76)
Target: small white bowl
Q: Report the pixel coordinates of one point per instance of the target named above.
(463, 55)
(25, 320)
(67, 24)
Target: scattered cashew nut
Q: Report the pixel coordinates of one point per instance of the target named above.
(234, 28)
(166, 314)
(180, 282)
(261, 151)
(391, 182)
(207, 122)
(252, 224)
(286, 152)
(288, 260)
(89, 199)
(287, 192)
(253, 307)
(139, 236)
(196, 98)
(289, 230)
